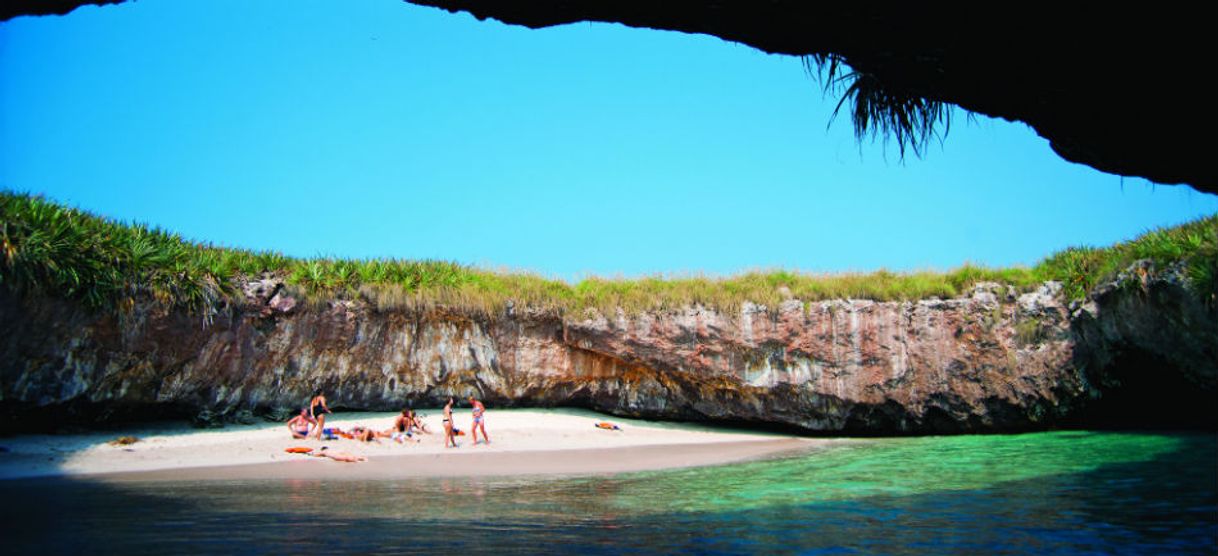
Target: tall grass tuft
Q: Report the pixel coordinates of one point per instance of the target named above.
(52, 250)
(879, 110)
(1194, 245)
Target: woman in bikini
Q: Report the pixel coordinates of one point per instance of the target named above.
(448, 425)
(317, 411)
(479, 421)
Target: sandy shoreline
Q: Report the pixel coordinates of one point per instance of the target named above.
(560, 442)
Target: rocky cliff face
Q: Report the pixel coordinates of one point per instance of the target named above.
(1150, 347)
(989, 361)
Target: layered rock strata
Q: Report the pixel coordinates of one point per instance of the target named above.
(993, 360)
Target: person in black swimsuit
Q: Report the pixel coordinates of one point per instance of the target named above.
(317, 411)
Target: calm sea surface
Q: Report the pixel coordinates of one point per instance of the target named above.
(1059, 492)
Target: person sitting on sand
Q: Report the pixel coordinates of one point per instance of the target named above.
(448, 425)
(338, 456)
(318, 410)
(417, 423)
(299, 425)
(402, 426)
(479, 421)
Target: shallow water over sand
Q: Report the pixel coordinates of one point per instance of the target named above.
(1061, 492)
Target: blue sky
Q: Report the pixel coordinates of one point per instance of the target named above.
(381, 129)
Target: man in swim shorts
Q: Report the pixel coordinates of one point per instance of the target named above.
(299, 425)
(479, 421)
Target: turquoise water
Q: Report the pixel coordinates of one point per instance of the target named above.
(1060, 492)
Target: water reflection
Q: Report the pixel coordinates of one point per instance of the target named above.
(1053, 492)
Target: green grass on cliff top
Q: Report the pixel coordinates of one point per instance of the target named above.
(50, 249)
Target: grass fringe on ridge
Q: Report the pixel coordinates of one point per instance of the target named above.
(49, 249)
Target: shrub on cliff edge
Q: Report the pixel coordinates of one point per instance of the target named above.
(52, 250)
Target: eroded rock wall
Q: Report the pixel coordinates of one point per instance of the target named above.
(1150, 346)
(989, 361)
(854, 365)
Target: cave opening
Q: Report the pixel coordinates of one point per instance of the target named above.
(1139, 390)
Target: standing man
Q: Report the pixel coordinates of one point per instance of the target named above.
(479, 421)
(448, 424)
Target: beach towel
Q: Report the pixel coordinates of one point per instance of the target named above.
(298, 450)
(608, 426)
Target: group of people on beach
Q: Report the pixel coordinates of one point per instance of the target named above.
(479, 423)
(311, 421)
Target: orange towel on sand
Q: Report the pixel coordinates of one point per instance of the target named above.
(298, 450)
(608, 426)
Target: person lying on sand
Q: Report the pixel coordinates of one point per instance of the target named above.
(338, 456)
(299, 425)
(366, 434)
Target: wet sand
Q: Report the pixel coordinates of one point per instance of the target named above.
(475, 464)
(524, 442)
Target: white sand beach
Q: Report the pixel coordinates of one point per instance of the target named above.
(532, 441)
